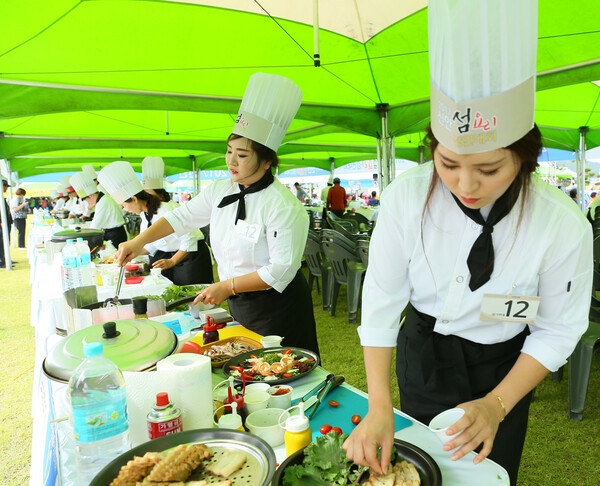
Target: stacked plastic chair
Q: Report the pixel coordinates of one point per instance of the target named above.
(346, 268)
(318, 267)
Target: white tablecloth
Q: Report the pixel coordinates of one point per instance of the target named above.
(48, 312)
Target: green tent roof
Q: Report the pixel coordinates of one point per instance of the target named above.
(92, 81)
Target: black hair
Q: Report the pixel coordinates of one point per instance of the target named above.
(263, 152)
(152, 202)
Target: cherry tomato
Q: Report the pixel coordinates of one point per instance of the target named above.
(326, 428)
(191, 347)
(287, 351)
(333, 403)
(356, 419)
(337, 430)
(287, 375)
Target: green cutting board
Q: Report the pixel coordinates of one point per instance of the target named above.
(350, 403)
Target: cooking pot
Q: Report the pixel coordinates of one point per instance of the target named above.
(132, 344)
(94, 237)
(61, 214)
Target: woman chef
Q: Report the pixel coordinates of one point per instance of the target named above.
(177, 256)
(258, 228)
(472, 245)
(108, 215)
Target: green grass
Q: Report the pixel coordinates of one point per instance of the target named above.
(558, 451)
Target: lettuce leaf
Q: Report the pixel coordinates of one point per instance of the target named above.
(324, 464)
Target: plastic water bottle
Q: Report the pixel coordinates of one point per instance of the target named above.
(71, 271)
(85, 262)
(100, 420)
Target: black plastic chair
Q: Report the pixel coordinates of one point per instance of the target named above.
(362, 248)
(364, 225)
(318, 267)
(347, 269)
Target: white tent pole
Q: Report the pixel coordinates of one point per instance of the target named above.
(384, 159)
(581, 167)
(316, 51)
(196, 173)
(4, 219)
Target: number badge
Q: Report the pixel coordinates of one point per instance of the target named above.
(509, 308)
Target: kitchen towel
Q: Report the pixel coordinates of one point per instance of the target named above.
(186, 377)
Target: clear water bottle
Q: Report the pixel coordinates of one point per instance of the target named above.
(85, 262)
(71, 271)
(99, 412)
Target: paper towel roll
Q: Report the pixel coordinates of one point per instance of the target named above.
(186, 377)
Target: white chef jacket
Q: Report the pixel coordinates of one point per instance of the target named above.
(107, 214)
(73, 204)
(421, 256)
(271, 240)
(187, 242)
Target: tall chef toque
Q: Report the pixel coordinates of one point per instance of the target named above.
(482, 59)
(84, 184)
(482, 63)
(153, 173)
(119, 180)
(66, 183)
(269, 105)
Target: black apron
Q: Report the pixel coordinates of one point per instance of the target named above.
(195, 268)
(436, 372)
(115, 235)
(288, 314)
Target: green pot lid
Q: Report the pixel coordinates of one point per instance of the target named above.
(132, 344)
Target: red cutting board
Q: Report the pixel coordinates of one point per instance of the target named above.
(350, 403)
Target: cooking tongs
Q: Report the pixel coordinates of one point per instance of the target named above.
(113, 301)
(312, 402)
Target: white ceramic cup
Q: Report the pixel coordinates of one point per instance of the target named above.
(281, 396)
(271, 341)
(256, 400)
(440, 423)
(252, 387)
(264, 423)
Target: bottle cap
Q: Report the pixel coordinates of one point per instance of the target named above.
(92, 349)
(140, 305)
(162, 399)
(297, 423)
(209, 327)
(232, 420)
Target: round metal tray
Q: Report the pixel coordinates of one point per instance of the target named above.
(258, 470)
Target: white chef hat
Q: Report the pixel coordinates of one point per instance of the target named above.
(66, 184)
(89, 168)
(269, 105)
(119, 180)
(482, 59)
(153, 173)
(84, 184)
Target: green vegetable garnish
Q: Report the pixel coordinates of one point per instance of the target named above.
(325, 464)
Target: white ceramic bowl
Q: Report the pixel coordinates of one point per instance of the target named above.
(264, 423)
(281, 396)
(256, 400)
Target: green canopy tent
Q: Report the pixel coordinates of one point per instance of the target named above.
(91, 81)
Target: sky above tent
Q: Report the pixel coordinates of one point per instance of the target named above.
(97, 81)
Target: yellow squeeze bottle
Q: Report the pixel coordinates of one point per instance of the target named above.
(297, 432)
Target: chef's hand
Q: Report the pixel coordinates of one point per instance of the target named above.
(128, 250)
(164, 263)
(214, 294)
(479, 425)
(374, 432)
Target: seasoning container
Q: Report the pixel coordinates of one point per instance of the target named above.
(211, 334)
(164, 418)
(231, 420)
(140, 307)
(297, 430)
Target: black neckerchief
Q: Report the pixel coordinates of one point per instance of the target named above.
(481, 257)
(148, 218)
(263, 183)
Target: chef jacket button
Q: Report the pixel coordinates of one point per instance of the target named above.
(474, 225)
(460, 279)
(444, 322)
